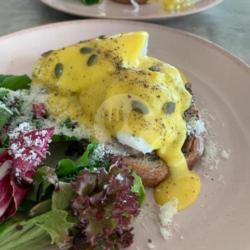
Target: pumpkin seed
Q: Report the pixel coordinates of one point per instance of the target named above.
(154, 68)
(58, 70)
(169, 108)
(102, 37)
(86, 50)
(92, 60)
(139, 107)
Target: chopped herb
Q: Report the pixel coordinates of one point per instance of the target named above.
(92, 60)
(169, 108)
(86, 50)
(58, 70)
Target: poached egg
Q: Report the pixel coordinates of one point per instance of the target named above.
(112, 89)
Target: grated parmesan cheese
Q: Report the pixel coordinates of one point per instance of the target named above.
(167, 212)
(119, 177)
(195, 126)
(26, 98)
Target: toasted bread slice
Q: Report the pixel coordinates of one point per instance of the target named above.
(152, 170)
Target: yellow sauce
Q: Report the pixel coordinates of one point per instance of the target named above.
(98, 84)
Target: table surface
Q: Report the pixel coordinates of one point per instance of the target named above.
(228, 24)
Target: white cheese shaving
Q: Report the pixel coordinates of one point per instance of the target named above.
(167, 212)
(22, 127)
(225, 154)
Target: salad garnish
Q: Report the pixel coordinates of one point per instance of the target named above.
(79, 201)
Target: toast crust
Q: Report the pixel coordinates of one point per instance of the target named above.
(152, 172)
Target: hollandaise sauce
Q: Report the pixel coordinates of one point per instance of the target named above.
(112, 89)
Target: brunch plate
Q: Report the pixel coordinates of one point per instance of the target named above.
(110, 9)
(220, 218)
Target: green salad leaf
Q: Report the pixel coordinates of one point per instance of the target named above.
(84, 159)
(38, 232)
(62, 197)
(63, 138)
(5, 115)
(138, 188)
(3, 92)
(15, 82)
(43, 186)
(2, 150)
(69, 167)
(40, 208)
(43, 183)
(5, 141)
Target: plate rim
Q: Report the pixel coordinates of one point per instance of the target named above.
(235, 59)
(150, 17)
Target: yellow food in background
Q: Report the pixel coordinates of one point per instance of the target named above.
(114, 90)
(175, 5)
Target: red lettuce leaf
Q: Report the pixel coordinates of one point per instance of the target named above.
(28, 150)
(105, 207)
(5, 187)
(18, 166)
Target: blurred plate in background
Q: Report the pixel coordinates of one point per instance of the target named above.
(110, 9)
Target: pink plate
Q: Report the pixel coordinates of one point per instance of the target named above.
(220, 218)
